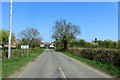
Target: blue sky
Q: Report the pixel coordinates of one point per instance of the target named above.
(94, 18)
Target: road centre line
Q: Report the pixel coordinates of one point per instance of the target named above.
(62, 73)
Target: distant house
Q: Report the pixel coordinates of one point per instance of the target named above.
(6, 45)
(52, 45)
(14, 43)
(42, 45)
(45, 44)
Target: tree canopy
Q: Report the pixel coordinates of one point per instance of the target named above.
(63, 33)
(30, 36)
(4, 35)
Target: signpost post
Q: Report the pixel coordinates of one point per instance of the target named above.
(24, 50)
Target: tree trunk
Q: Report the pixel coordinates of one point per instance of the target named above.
(65, 44)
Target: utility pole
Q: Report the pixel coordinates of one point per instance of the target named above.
(10, 31)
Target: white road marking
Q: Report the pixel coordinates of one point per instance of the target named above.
(62, 73)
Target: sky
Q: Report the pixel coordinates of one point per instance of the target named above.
(96, 19)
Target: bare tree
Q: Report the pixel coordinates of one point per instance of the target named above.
(29, 35)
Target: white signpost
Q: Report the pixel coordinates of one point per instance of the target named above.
(24, 46)
(24, 49)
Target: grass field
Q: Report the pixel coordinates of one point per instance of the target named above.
(9, 66)
(112, 70)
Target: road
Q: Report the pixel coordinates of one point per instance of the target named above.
(53, 64)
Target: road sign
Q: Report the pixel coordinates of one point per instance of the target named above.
(24, 50)
(24, 46)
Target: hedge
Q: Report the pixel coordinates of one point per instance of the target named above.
(109, 56)
(15, 52)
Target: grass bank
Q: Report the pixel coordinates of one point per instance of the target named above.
(9, 66)
(0, 68)
(110, 69)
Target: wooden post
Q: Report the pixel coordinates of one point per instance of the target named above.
(27, 52)
(21, 52)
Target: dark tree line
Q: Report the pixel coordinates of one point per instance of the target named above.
(94, 44)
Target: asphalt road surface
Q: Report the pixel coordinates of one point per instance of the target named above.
(53, 64)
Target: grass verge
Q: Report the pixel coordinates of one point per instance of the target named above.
(0, 68)
(9, 66)
(110, 69)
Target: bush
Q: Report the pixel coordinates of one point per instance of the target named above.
(14, 53)
(109, 56)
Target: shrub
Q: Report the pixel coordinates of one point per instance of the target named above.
(108, 56)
